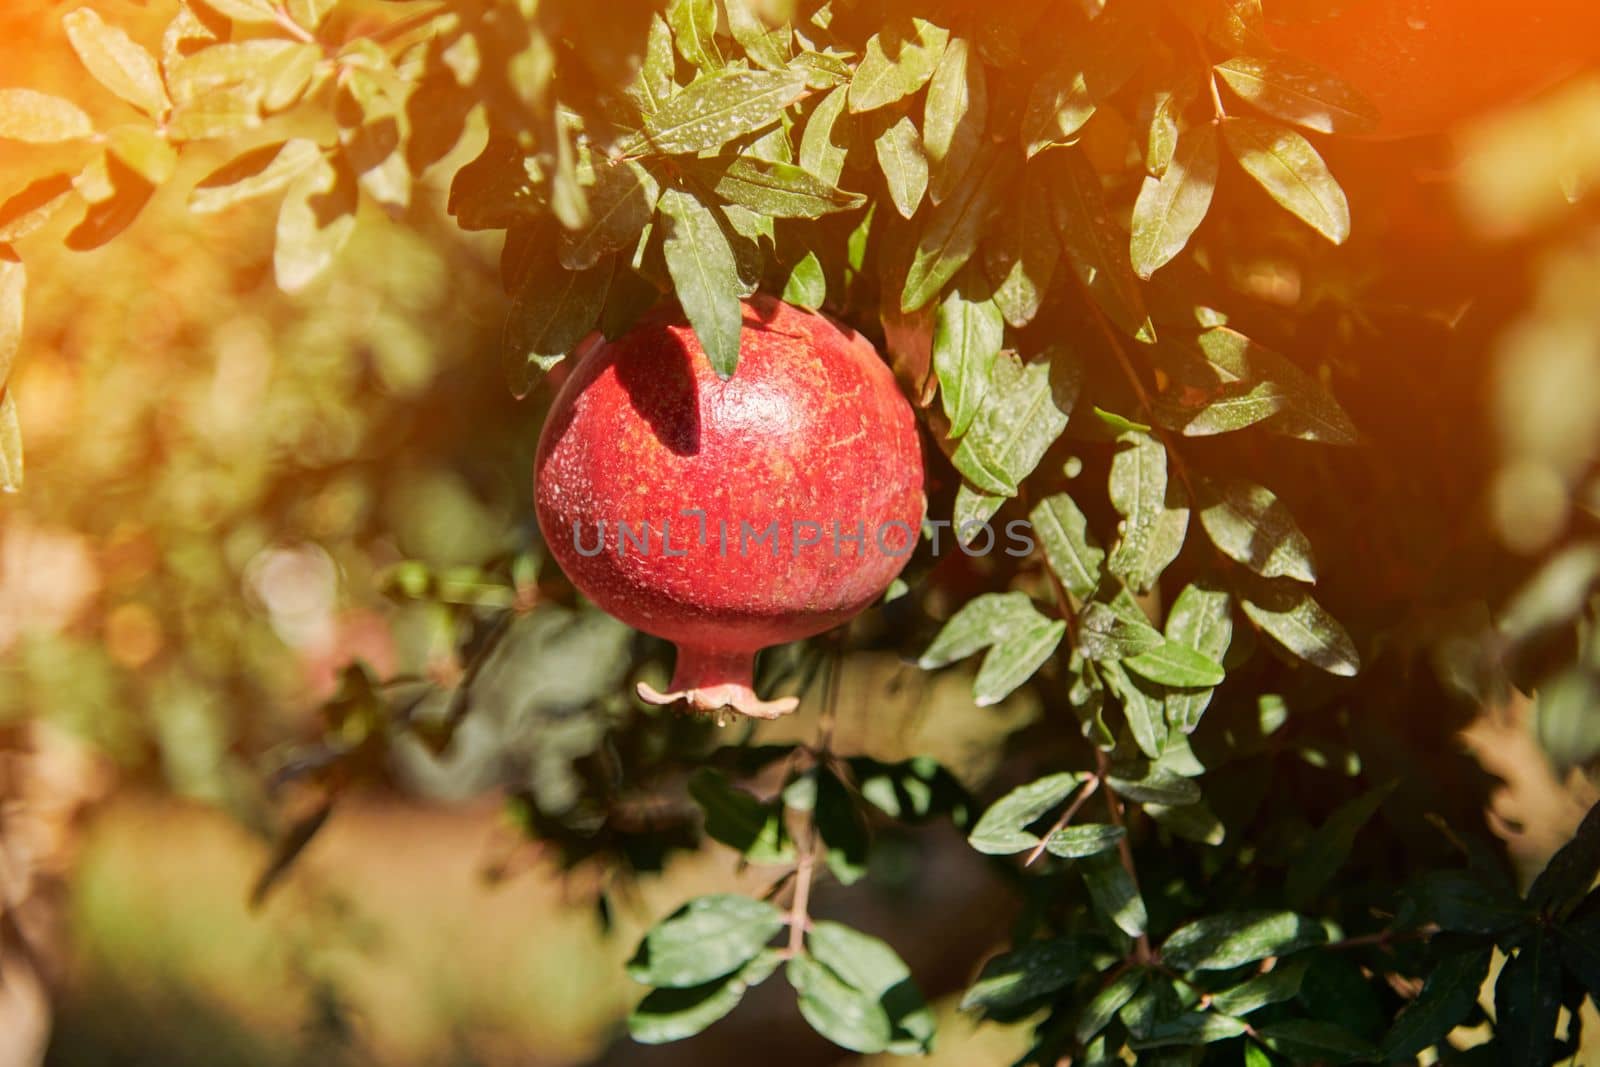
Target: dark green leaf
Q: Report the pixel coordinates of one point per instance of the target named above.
(715, 109)
(899, 59)
(1250, 524)
(1290, 170)
(1291, 616)
(1105, 634)
(950, 235)
(1277, 985)
(1197, 412)
(1095, 246)
(1313, 1041)
(552, 310)
(1326, 850)
(1114, 894)
(1020, 256)
(1002, 829)
(843, 829)
(1096, 62)
(1232, 939)
(706, 276)
(1580, 950)
(674, 1014)
(1016, 980)
(1189, 1030)
(1299, 92)
(1447, 998)
(1170, 208)
(1527, 1001)
(1099, 1012)
(1149, 783)
(1461, 902)
(705, 939)
(620, 205)
(1090, 839)
(1572, 871)
(1310, 412)
(739, 820)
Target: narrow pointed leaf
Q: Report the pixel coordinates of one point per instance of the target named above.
(1095, 247)
(1299, 92)
(715, 109)
(1070, 548)
(905, 168)
(966, 342)
(1251, 525)
(117, 61)
(1284, 164)
(1170, 208)
(899, 59)
(705, 275)
(954, 113)
(35, 117)
(1302, 626)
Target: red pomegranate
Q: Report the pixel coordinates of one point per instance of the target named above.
(727, 516)
(1427, 64)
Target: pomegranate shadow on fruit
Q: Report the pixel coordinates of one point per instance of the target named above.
(661, 388)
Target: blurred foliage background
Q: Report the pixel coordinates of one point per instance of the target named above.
(237, 497)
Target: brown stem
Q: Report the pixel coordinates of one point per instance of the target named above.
(1089, 790)
(1142, 952)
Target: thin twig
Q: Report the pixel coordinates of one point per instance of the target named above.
(807, 839)
(1062, 823)
(1143, 952)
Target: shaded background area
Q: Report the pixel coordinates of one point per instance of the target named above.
(235, 494)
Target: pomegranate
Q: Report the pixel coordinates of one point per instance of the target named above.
(1427, 64)
(726, 516)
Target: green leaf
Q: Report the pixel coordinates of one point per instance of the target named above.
(898, 60)
(1001, 830)
(1172, 207)
(807, 286)
(983, 620)
(1095, 246)
(1151, 783)
(1099, 1012)
(13, 292)
(973, 508)
(868, 965)
(1155, 515)
(825, 142)
(27, 115)
(1024, 412)
(655, 83)
(621, 203)
(1580, 951)
(1231, 939)
(707, 938)
(1108, 635)
(848, 1017)
(1290, 170)
(674, 1014)
(315, 221)
(34, 206)
(1012, 661)
(1207, 412)
(1070, 548)
(779, 190)
(1292, 617)
(1527, 1002)
(1572, 871)
(257, 172)
(694, 31)
(1311, 413)
(715, 109)
(739, 820)
(1090, 839)
(1447, 998)
(953, 116)
(552, 310)
(706, 277)
(1142, 706)
(905, 168)
(767, 46)
(1296, 91)
(1192, 822)
(10, 444)
(1461, 902)
(911, 791)
(117, 61)
(1095, 63)
(1248, 523)
(1327, 849)
(1176, 665)
(966, 341)
(1275, 986)
(1201, 618)
(843, 828)
(950, 235)
(1020, 256)
(1314, 1041)
(1014, 981)
(1190, 1029)
(1114, 894)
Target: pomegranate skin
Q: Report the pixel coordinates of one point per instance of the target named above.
(811, 434)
